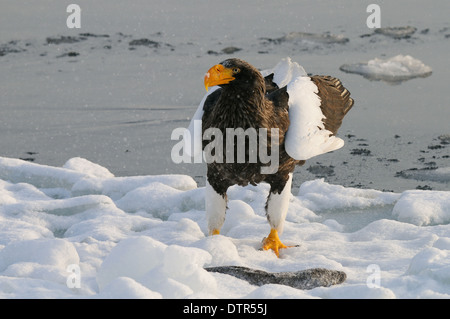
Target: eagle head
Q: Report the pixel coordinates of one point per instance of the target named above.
(233, 73)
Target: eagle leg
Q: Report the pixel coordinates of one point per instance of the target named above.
(276, 210)
(215, 206)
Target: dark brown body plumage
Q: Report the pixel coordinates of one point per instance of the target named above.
(258, 102)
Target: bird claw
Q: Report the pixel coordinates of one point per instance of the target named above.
(273, 242)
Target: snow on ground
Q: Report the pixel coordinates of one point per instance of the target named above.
(77, 231)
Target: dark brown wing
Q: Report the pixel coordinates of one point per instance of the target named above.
(270, 84)
(279, 98)
(335, 100)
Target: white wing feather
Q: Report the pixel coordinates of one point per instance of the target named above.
(306, 136)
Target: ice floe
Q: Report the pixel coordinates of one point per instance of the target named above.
(396, 69)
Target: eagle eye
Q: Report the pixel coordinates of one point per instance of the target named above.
(236, 70)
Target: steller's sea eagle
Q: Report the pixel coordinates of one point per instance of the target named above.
(302, 112)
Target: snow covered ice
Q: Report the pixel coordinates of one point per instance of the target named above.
(145, 237)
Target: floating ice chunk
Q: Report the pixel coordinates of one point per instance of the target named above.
(396, 69)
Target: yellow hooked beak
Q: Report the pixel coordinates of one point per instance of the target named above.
(217, 75)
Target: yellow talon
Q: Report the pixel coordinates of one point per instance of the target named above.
(215, 232)
(273, 242)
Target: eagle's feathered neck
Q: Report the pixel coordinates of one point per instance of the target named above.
(243, 105)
